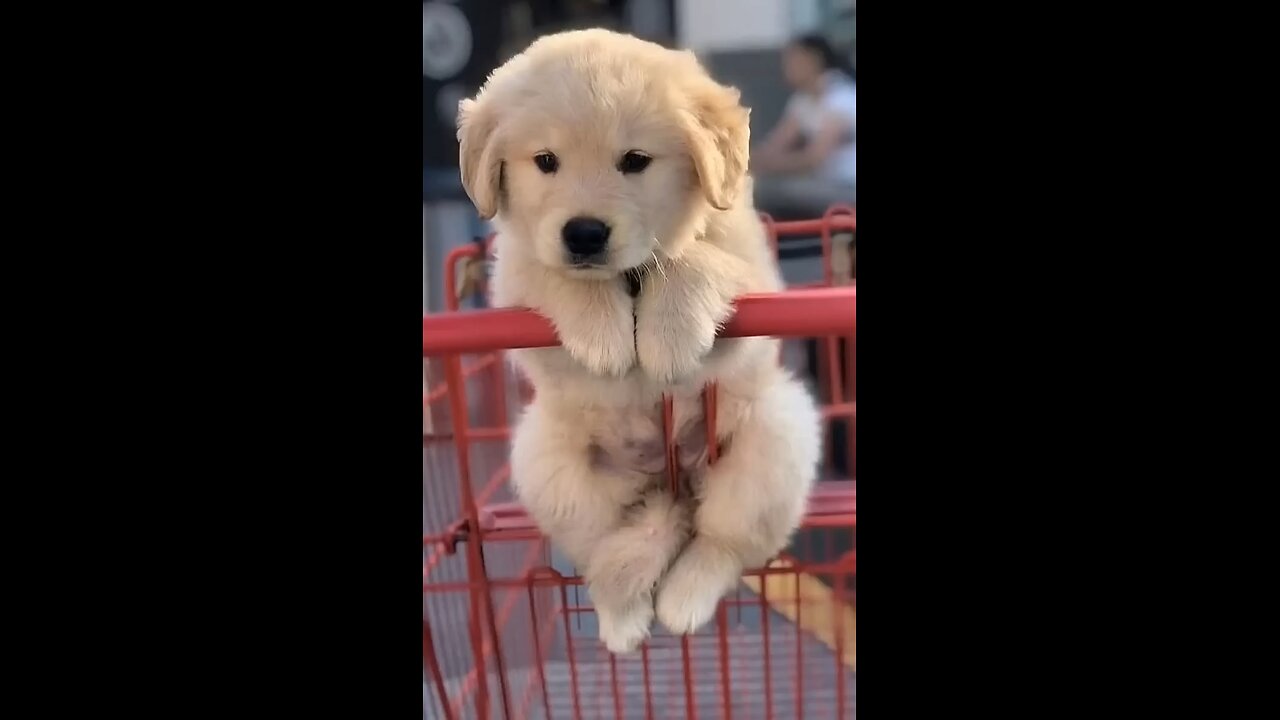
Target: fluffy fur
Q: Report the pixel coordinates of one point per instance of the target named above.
(587, 456)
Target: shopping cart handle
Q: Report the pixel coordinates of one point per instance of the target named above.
(794, 313)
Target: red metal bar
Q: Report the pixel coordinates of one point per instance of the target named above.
(573, 664)
(825, 397)
(496, 481)
(722, 630)
(537, 649)
(475, 565)
(838, 410)
(669, 443)
(498, 619)
(829, 499)
(442, 544)
(433, 668)
(476, 433)
(824, 234)
(496, 637)
(439, 391)
(768, 667)
(814, 227)
(690, 707)
(548, 625)
(794, 313)
(617, 690)
(851, 424)
(648, 685)
(834, 368)
(576, 581)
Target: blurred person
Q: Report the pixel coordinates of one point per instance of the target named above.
(809, 161)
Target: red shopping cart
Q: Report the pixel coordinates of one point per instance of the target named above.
(508, 629)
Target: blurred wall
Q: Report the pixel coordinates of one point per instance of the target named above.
(716, 25)
(739, 42)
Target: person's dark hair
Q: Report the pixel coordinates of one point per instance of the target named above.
(821, 49)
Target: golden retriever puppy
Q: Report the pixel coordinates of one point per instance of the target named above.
(615, 173)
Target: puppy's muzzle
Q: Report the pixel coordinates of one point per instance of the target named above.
(585, 241)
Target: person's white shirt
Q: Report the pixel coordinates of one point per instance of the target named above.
(839, 99)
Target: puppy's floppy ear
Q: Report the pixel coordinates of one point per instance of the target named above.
(478, 157)
(718, 134)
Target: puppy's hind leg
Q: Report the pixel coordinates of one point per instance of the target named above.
(626, 566)
(591, 513)
(752, 500)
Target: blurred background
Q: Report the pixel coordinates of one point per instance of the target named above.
(750, 44)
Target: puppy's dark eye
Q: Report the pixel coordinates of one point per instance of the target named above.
(546, 162)
(634, 162)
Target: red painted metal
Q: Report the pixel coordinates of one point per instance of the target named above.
(793, 313)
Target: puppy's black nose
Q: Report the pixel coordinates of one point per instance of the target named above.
(584, 237)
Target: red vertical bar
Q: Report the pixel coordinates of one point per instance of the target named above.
(690, 708)
(824, 231)
(493, 632)
(709, 396)
(537, 651)
(669, 443)
(834, 368)
(475, 567)
(577, 603)
(433, 668)
(825, 396)
(764, 627)
(799, 650)
(726, 696)
(573, 663)
(617, 692)
(851, 423)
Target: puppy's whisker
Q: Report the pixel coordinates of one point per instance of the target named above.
(658, 263)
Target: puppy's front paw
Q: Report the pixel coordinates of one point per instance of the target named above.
(607, 349)
(671, 343)
(623, 629)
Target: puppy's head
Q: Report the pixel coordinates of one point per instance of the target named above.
(598, 152)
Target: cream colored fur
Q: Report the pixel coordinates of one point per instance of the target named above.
(587, 457)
